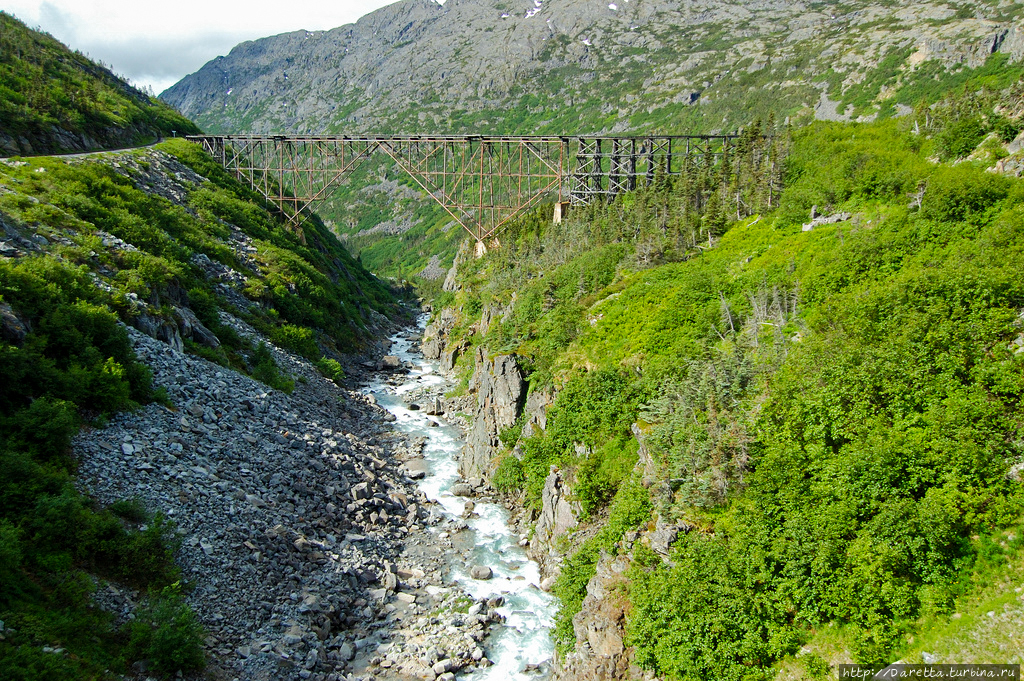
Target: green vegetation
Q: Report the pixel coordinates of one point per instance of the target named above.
(74, 364)
(313, 298)
(118, 253)
(831, 416)
(166, 633)
(101, 242)
(43, 84)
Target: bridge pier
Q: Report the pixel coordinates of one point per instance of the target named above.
(561, 210)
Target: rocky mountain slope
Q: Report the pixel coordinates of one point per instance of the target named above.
(565, 66)
(299, 539)
(55, 100)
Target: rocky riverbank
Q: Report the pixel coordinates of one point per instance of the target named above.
(497, 398)
(304, 541)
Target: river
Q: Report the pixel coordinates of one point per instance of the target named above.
(523, 643)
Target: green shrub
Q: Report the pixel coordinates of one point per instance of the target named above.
(44, 429)
(298, 339)
(961, 137)
(265, 370)
(962, 193)
(508, 477)
(132, 510)
(510, 436)
(165, 632)
(718, 626)
(10, 561)
(1006, 128)
(331, 368)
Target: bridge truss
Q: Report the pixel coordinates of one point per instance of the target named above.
(481, 182)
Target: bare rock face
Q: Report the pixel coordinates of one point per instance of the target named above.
(537, 404)
(664, 535)
(557, 515)
(494, 313)
(436, 334)
(449, 356)
(451, 282)
(500, 387)
(646, 461)
(599, 626)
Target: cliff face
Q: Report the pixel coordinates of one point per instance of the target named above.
(566, 65)
(600, 628)
(500, 387)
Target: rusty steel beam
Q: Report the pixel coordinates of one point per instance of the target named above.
(482, 182)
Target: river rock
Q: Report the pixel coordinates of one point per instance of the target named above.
(481, 572)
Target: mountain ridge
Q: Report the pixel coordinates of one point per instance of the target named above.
(566, 66)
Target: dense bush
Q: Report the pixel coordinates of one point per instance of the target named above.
(961, 137)
(166, 633)
(832, 414)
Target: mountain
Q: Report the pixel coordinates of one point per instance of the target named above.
(588, 66)
(54, 100)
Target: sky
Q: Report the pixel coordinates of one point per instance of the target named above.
(155, 44)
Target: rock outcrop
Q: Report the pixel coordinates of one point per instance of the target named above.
(435, 335)
(537, 403)
(557, 516)
(600, 653)
(500, 387)
(12, 328)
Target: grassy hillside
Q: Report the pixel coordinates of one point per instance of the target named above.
(55, 100)
(90, 244)
(832, 412)
(160, 239)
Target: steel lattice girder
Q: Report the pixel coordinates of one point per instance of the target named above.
(481, 182)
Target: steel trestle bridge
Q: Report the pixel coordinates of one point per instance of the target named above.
(481, 181)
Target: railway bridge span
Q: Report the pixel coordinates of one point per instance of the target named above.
(481, 181)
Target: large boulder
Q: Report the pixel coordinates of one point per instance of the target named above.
(191, 327)
(481, 572)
